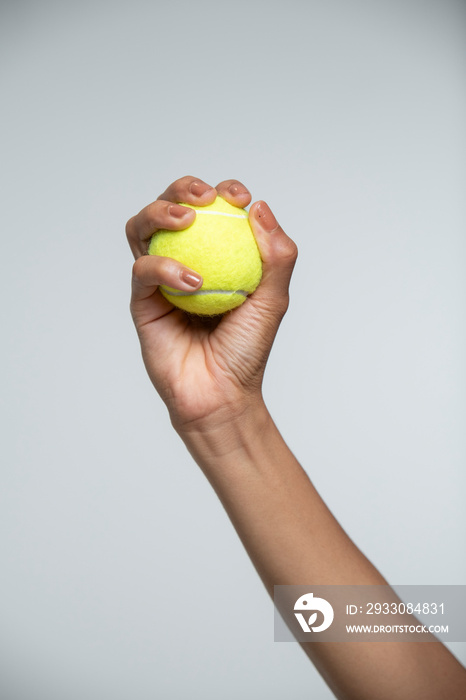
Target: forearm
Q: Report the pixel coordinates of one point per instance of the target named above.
(209, 375)
(293, 539)
(288, 531)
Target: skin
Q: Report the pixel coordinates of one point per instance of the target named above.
(209, 373)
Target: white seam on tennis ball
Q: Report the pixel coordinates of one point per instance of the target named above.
(220, 213)
(200, 292)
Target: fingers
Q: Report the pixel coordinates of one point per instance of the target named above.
(166, 213)
(278, 253)
(191, 190)
(157, 215)
(234, 192)
(151, 271)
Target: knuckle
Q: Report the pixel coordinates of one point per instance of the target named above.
(150, 217)
(289, 250)
(285, 251)
(129, 228)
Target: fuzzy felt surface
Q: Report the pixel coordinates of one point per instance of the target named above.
(221, 247)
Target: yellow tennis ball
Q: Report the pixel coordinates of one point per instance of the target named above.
(221, 247)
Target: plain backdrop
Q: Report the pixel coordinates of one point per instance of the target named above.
(120, 574)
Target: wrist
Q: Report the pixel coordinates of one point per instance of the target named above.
(226, 433)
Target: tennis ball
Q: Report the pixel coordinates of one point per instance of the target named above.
(221, 247)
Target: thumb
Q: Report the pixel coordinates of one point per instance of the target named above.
(278, 253)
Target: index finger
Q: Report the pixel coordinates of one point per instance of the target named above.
(165, 213)
(158, 214)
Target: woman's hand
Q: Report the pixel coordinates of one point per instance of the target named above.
(209, 373)
(206, 370)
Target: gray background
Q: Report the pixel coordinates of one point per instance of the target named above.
(121, 576)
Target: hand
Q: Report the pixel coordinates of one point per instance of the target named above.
(206, 370)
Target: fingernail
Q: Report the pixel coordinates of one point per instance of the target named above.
(178, 211)
(235, 188)
(190, 277)
(199, 188)
(265, 217)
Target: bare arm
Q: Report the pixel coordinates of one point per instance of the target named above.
(210, 376)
